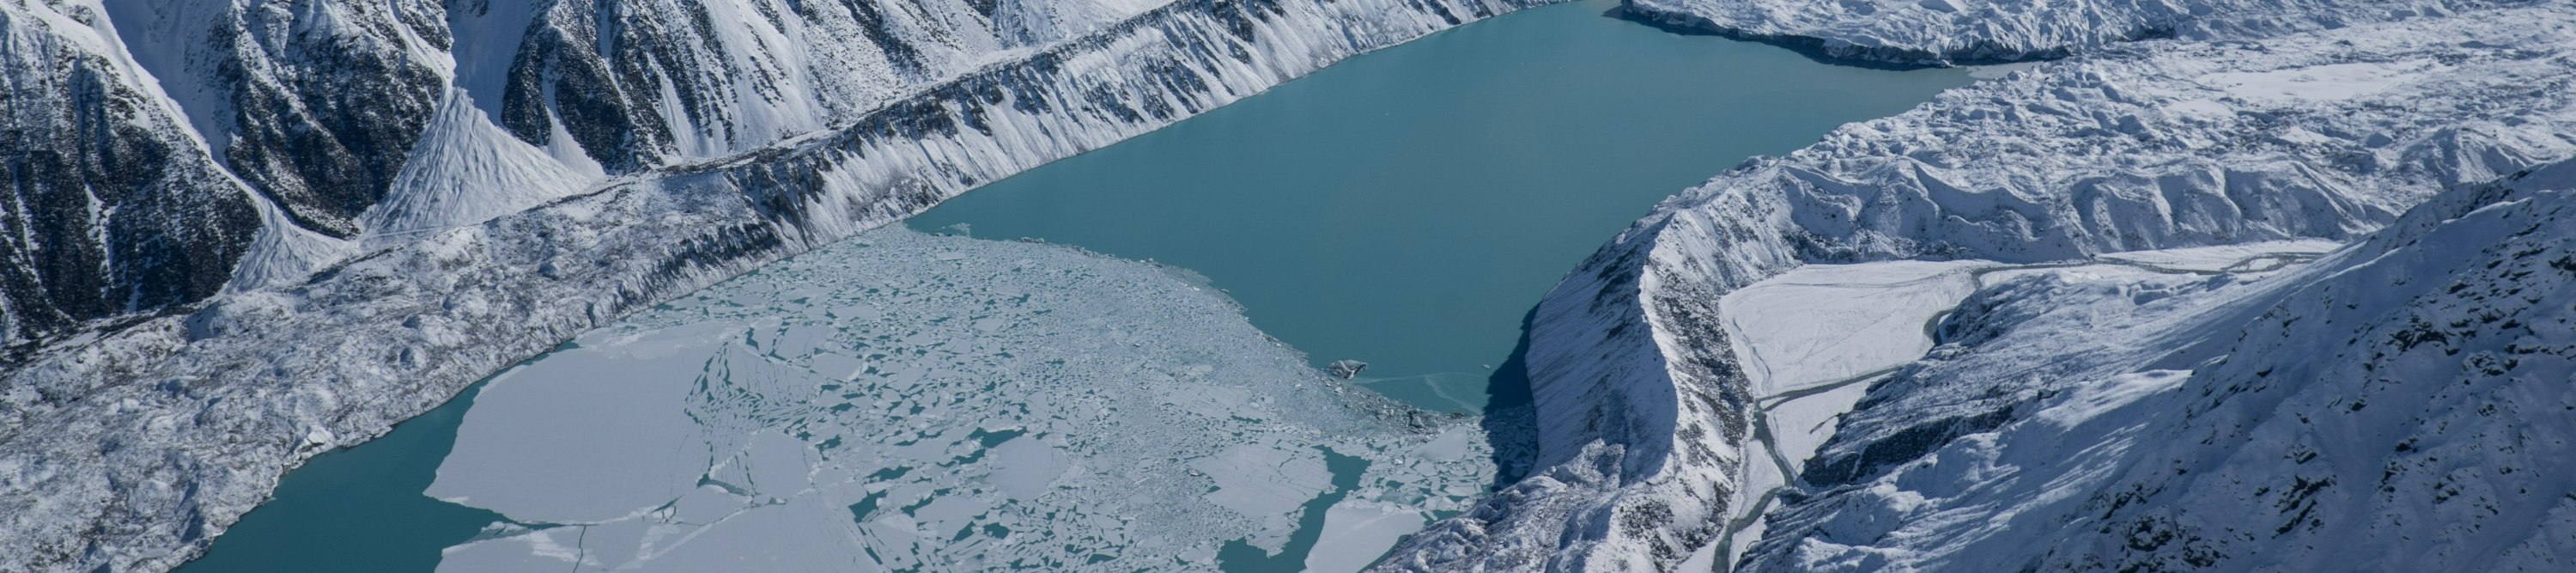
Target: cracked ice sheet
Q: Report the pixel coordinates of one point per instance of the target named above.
(906, 400)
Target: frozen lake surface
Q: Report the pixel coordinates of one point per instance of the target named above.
(913, 401)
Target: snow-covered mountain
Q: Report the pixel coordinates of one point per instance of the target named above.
(147, 122)
(1944, 32)
(1643, 406)
(114, 205)
(2398, 405)
(371, 243)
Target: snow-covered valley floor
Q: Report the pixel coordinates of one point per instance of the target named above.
(1814, 338)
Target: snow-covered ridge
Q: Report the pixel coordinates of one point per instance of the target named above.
(132, 450)
(1947, 32)
(2155, 145)
(2398, 405)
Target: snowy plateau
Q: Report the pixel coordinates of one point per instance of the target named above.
(2222, 285)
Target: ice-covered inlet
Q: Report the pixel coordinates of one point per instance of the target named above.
(943, 403)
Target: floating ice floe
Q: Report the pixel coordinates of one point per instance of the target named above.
(945, 403)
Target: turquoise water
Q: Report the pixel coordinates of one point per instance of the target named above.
(1405, 208)
(357, 509)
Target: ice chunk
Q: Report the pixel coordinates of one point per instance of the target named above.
(1356, 533)
(1345, 369)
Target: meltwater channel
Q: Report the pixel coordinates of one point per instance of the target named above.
(1404, 208)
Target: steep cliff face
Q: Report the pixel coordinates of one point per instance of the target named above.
(2397, 405)
(113, 206)
(313, 103)
(150, 141)
(132, 450)
(1945, 32)
(2158, 145)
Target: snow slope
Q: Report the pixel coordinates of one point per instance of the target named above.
(2394, 406)
(464, 171)
(132, 448)
(1642, 406)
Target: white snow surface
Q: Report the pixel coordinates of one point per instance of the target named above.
(1819, 324)
(1643, 405)
(904, 400)
(2397, 405)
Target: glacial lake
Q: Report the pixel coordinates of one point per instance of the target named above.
(1407, 207)
(1404, 208)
